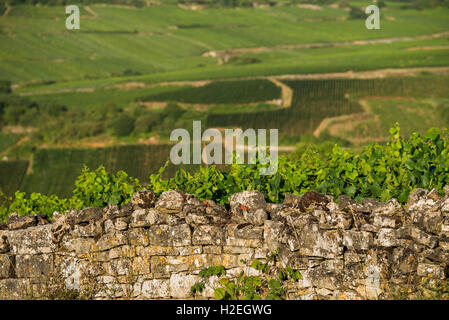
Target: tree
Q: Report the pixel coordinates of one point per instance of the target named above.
(381, 4)
(123, 126)
(172, 110)
(5, 87)
(357, 13)
(145, 123)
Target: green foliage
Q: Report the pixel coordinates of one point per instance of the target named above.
(55, 170)
(172, 110)
(8, 140)
(442, 111)
(92, 188)
(137, 3)
(242, 91)
(54, 110)
(4, 204)
(314, 100)
(145, 123)
(38, 203)
(212, 271)
(207, 183)
(12, 174)
(378, 171)
(356, 13)
(426, 4)
(99, 188)
(381, 4)
(270, 283)
(5, 86)
(123, 125)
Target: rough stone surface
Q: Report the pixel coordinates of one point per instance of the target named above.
(170, 202)
(154, 248)
(165, 235)
(7, 264)
(144, 200)
(15, 221)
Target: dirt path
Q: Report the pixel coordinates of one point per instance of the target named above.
(286, 91)
(428, 48)
(345, 123)
(285, 101)
(240, 51)
(92, 12)
(30, 93)
(372, 74)
(348, 122)
(151, 105)
(8, 8)
(18, 143)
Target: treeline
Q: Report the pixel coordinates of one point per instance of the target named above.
(18, 110)
(54, 123)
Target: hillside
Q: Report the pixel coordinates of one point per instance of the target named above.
(111, 93)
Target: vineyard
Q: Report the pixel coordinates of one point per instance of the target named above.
(416, 102)
(378, 171)
(223, 92)
(110, 93)
(55, 170)
(313, 100)
(12, 174)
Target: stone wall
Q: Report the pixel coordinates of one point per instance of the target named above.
(153, 248)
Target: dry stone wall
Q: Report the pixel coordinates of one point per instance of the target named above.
(153, 248)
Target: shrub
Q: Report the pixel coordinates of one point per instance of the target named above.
(4, 204)
(377, 171)
(172, 110)
(54, 110)
(356, 13)
(381, 4)
(38, 203)
(93, 189)
(271, 283)
(145, 123)
(5, 87)
(99, 188)
(123, 126)
(380, 172)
